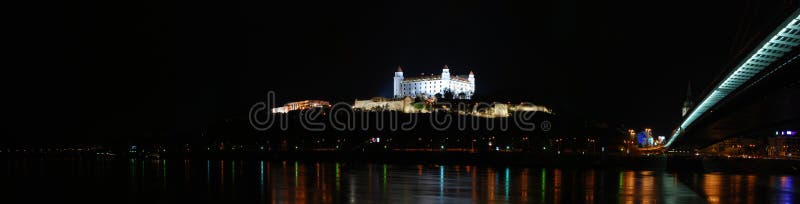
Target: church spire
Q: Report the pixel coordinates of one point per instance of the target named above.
(399, 69)
(689, 91)
(687, 104)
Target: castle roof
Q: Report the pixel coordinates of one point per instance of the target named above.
(423, 78)
(460, 78)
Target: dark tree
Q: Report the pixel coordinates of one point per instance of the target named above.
(448, 94)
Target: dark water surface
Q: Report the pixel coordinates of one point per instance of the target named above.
(238, 181)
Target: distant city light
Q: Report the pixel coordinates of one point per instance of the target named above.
(300, 105)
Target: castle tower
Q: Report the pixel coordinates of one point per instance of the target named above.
(446, 73)
(398, 79)
(687, 104)
(471, 80)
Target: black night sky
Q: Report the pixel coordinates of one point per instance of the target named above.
(100, 70)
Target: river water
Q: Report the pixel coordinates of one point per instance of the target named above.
(253, 181)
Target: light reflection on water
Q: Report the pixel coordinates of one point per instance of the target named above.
(324, 182)
(300, 182)
(445, 184)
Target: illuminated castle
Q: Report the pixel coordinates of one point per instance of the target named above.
(461, 86)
